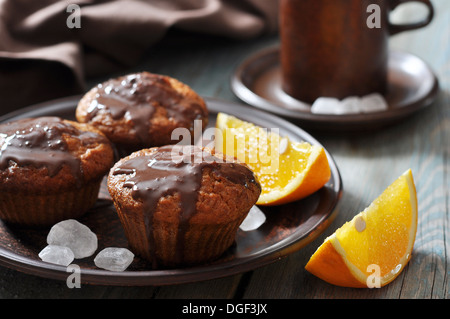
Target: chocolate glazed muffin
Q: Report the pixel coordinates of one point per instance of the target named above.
(141, 110)
(181, 209)
(50, 169)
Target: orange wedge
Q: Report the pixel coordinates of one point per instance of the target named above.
(372, 249)
(286, 170)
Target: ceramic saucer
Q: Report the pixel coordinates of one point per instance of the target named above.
(412, 86)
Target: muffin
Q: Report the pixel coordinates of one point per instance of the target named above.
(142, 110)
(181, 206)
(50, 169)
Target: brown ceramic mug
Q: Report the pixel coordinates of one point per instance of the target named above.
(337, 48)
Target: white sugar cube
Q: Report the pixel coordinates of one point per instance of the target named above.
(325, 105)
(74, 235)
(57, 255)
(373, 103)
(254, 219)
(114, 259)
(350, 105)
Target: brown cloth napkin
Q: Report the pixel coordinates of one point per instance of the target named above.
(47, 49)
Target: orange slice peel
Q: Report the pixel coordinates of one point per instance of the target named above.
(374, 247)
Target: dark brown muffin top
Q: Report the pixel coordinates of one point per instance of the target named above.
(173, 169)
(45, 153)
(142, 108)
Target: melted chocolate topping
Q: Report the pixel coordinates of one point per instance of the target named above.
(168, 172)
(39, 143)
(135, 97)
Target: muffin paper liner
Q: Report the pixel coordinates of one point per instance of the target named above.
(201, 243)
(47, 209)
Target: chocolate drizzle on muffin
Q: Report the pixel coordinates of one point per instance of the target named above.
(135, 98)
(168, 172)
(39, 142)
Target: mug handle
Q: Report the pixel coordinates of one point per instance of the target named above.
(397, 28)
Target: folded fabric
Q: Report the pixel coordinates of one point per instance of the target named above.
(49, 47)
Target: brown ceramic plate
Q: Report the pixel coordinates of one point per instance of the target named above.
(412, 86)
(287, 228)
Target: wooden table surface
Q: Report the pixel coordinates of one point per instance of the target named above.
(368, 163)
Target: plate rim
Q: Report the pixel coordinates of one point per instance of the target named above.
(251, 98)
(284, 247)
